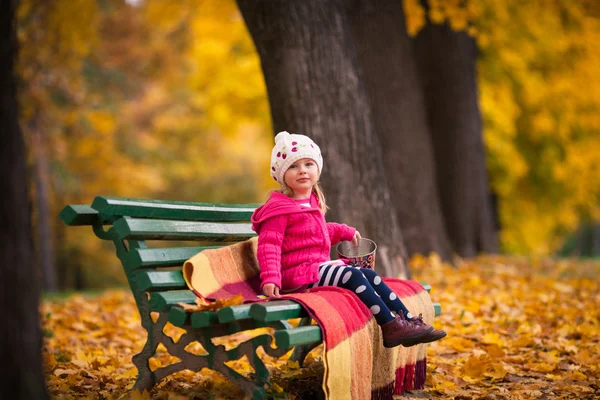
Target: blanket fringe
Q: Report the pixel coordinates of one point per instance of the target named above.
(399, 387)
(420, 374)
(383, 393)
(409, 377)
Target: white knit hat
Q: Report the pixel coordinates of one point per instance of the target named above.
(289, 148)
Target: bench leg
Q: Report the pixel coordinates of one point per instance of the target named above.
(300, 352)
(254, 388)
(146, 377)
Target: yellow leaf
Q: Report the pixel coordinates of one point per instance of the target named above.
(459, 343)
(59, 372)
(474, 367)
(540, 367)
(81, 359)
(494, 351)
(495, 371)
(492, 338)
(523, 341)
(576, 376)
(78, 326)
(277, 388)
(154, 363)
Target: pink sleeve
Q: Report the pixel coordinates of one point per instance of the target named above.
(339, 232)
(270, 240)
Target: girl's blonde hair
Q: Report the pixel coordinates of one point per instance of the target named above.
(286, 190)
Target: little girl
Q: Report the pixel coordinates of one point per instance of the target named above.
(294, 242)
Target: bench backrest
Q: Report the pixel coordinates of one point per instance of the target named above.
(154, 238)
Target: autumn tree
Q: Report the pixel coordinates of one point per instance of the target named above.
(20, 337)
(311, 71)
(389, 72)
(538, 91)
(446, 63)
(51, 101)
(388, 92)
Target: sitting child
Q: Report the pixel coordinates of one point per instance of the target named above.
(294, 242)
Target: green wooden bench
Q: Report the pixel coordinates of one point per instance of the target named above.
(139, 230)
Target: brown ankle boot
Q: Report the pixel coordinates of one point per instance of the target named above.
(400, 331)
(431, 336)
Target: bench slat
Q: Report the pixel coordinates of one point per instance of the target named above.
(178, 317)
(159, 209)
(277, 310)
(162, 301)
(287, 338)
(160, 229)
(201, 319)
(162, 257)
(78, 215)
(234, 313)
(288, 309)
(160, 280)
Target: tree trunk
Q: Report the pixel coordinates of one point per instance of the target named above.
(20, 338)
(45, 247)
(310, 68)
(389, 71)
(446, 61)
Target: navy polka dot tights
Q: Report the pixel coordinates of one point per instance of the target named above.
(367, 285)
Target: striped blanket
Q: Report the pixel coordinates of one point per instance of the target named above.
(357, 366)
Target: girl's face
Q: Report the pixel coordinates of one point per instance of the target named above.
(302, 175)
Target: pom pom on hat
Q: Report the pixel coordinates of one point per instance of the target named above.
(289, 148)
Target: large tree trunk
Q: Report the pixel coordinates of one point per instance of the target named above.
(446, 62)
(20, 339)
(389, 71)
(310, 70)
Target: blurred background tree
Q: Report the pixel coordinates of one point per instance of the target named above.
(121, 99)
(538, 84)
(160, 99)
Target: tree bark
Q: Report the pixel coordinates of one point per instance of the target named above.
(20, 337)
(310, 69)
(45, 246)
(389, 71)
(446, 61)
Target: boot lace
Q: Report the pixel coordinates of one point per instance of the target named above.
(418, 320)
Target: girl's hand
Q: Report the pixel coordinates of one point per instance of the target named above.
(271, 290)
(355, 238)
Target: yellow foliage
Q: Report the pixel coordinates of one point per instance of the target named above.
(414, 15)
(540, 89)
(167, 100)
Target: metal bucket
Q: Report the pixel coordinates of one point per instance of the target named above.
(361, 256)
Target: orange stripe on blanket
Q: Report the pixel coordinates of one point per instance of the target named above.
(198, 274)
(225, 272)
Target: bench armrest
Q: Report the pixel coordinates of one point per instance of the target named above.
(78, 215)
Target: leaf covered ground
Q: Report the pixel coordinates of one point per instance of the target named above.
(518, 328)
